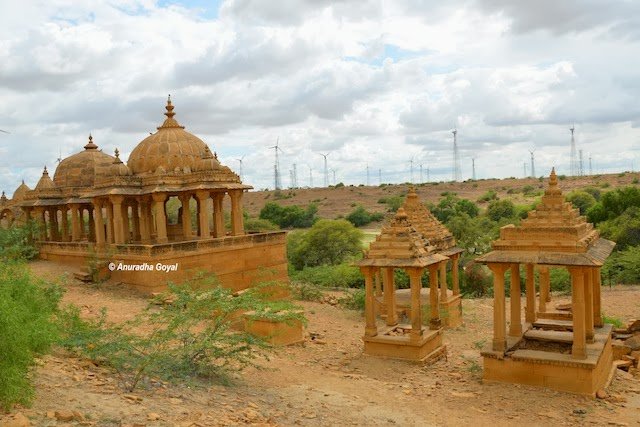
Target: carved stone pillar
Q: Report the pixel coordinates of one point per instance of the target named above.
(434, 322)
(203, 214)
(237, 222)
(455, 274)
(515, 328)
(371, 329)
(118, 220)
(499, 320)
(99, 224)
(75, 222)
(161, 217)
(186, 215)
(579, 348)
(443, 281)
(588, 304)
(415, 275)
(218, 215)
(530, 313)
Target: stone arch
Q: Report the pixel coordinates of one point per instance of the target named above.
(6, 218)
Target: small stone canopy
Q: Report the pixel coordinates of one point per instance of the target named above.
(554, 234)
(400, 246)
(429, 226)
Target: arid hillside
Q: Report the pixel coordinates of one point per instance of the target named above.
(333, 202)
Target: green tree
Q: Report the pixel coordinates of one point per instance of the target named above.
(581, 200)
(290, 216)
(499, 209)
(360, 216)
(326, 242)
(473, 234)
(613, 203)
(451, 205)
(624, 230)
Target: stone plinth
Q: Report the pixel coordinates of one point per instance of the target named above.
(396, 342)
(238, 261)
(554, 370)
(275, 332)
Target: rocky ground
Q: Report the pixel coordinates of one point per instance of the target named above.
(327, 381)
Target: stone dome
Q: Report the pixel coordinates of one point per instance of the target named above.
(20, 192)
(119, 168)
(82, 169)
(45, 181)
(170, 149)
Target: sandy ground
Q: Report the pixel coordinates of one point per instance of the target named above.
(326, 384)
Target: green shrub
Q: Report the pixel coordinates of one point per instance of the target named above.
(624, 230)
(452, 205)
(186, 339)
(595, 192)
(499, 209)
(289, 216)
(306, 292)
(488, 196)
(27, 329)
(393, 202)
(473, 234)
(330, 276)
(328, 242)
(360, 216)
(353, 300)
(613, 203)
(612, 320)
(623, 266)
(476, 281)
(15, 242)
(259, 225)
(560, 280)
(581, 200)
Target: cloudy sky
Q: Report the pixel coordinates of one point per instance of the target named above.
(372, 82)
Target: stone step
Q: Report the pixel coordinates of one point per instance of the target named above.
(553, 324)
(83, 276)
(549, 336)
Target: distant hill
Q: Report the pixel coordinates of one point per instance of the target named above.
(333, 202)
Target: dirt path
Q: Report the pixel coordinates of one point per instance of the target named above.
(326, 383)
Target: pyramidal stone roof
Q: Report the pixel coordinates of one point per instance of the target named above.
(554, 234)
(428, 225)
(400, 245)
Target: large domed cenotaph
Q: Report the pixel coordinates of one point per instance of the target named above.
(97, 203)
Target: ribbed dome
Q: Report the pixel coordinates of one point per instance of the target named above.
(45, 181)
(81, 169)
(20, 192)
(119, 168)
(171, 148)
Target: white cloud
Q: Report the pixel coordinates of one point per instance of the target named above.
(374, 82)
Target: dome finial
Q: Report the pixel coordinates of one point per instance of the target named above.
(45, 172)
(117, 159)
(90, 145)
(170, 122)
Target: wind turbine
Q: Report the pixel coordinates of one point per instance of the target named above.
(4, 131)
(533, 167)
(326, 171)
(310, 177)
(411, 163)
(240, 161)
(276, 166)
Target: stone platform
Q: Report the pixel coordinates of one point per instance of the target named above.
(237, 261)
(395, 342)
(559, 371)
